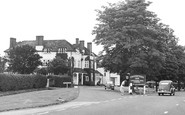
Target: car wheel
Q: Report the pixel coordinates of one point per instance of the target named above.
(159, 94)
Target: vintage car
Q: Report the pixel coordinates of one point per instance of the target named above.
(109, 85)
(166, 87)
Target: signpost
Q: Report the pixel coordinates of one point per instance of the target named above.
(138, 80)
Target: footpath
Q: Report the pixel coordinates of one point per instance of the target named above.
(37, 98)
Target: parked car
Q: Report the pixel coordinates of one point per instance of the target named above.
(109, 85)
(166, 87)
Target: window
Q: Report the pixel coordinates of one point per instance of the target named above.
(86, 64)
(74, 63)
(79, 64)
(62, 50)
(46, 62)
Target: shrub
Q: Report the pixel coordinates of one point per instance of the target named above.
(59, 79)
(9, 82)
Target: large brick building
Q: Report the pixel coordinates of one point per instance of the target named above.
(85, 67)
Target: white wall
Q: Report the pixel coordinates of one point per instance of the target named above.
(107, 76)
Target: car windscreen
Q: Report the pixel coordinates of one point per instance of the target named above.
(164, 85)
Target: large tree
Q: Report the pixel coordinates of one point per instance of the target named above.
(134, 39)
(23, 59)
(59, 65)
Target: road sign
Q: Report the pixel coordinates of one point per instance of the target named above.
(138, 79)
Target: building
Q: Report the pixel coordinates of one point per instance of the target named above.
(107, 76)
(84, 60)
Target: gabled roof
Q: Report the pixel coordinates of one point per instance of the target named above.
(52, 44)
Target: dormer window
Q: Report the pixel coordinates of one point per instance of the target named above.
(62, 50)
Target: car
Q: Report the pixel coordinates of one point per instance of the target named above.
(109, 85)
(166, 87)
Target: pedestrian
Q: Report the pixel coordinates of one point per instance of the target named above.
(122, 90)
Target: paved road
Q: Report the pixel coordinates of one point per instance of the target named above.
(97, 101)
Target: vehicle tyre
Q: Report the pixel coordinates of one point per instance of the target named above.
(162, 93)
(170, 94)
(159, 94)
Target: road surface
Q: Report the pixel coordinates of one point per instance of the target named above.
(98, 101)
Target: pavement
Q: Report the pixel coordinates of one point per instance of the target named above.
(35, 99)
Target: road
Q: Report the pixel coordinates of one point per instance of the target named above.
(97, 101)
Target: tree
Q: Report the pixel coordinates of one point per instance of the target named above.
(23, 59)
(134, 40)
(58, 66)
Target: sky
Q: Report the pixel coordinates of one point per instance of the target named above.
(71, 19)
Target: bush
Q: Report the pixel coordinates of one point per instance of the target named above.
(9, 82)
(57, 80)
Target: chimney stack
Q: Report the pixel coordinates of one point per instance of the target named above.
(81, 43)
(39, 40)
(89, 46)
(12, 42)
(77, 40)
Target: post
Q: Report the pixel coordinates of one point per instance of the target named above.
(144, 92)
(47, 85)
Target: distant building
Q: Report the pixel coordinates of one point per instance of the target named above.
(85, 66)
(107, 76)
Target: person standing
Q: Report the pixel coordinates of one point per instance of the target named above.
(122, 87)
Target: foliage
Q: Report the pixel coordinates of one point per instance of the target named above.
(23, 59)
(9, 82)
(42, 71)
(2, 64)
(135, 41)
(58, 66)
(59, 79)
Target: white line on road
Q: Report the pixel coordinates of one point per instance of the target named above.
(166, 112)
(177, 104)
(119, 98)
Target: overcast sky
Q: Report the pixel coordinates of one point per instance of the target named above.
(70, 19)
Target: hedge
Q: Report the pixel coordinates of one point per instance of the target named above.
(11, 82)
(57, 80)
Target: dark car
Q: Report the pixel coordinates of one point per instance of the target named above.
(166, 87)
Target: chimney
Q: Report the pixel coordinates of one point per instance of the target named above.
(12, 42)
(77, 40)
(89, 46)
(39, 40)
(81, 43)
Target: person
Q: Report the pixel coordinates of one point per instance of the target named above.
(122, 87)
